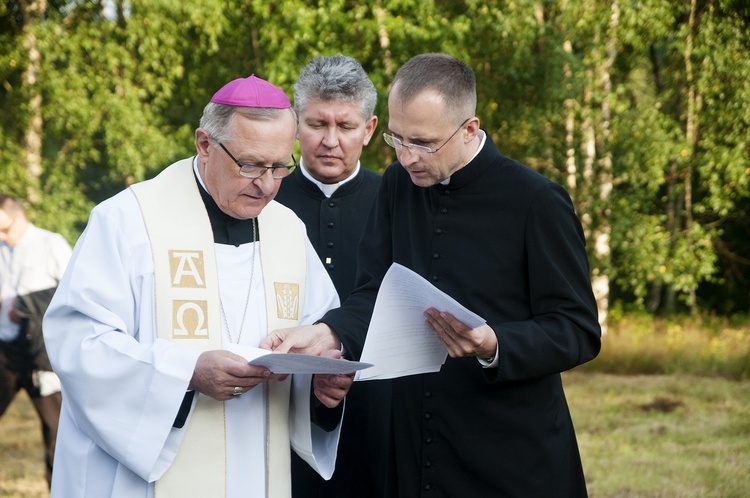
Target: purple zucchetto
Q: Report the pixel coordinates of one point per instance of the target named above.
(251, 92)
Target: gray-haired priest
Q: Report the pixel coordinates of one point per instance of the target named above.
(168, 276)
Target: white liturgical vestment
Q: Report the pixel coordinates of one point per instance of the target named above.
(123, 386)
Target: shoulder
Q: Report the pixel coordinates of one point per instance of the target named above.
(41, 236)
(119, 214)
(121, 205)
(369, 175)
(293, 185)
(370, 179)
(280, 212)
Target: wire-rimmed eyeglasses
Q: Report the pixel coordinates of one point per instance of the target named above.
(419, 150)
(250, 170)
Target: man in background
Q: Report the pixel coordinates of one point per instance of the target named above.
(32, 262)
(332, 193)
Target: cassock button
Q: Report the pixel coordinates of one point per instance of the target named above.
(330, 267)
(331, 204)
(330, 244)
(428, 440)
(330, 224)
(438, 231)
(427, 416)
(427, 487)
(435, 255)
(428, 464)
(434, 278)
(427, 394)
(444, 210)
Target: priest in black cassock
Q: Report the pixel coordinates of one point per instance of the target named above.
(506, 243)
(332, 193)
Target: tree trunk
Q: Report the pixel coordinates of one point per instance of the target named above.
(691, 136)
(32, 12)
(602, 229)
(571, 169)
(385, 41)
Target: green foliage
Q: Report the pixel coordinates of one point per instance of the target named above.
(123, 89)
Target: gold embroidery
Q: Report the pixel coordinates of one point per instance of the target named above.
(186, 268)
(287, 300)
(189, 319)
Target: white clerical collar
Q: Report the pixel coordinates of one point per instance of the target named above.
(326, 188)
(481, 145)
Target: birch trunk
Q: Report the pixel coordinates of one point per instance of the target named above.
(385, 41)
(32, 12)
(602, 229)
(571, 169)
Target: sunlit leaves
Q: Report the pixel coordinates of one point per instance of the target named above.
(122, 94)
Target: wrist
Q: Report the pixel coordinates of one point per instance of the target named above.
(328, 337)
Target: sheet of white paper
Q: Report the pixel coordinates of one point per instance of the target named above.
(399, 342)
(291, 363)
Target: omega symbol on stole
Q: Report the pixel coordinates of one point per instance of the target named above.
(189, 316)
(287, 300)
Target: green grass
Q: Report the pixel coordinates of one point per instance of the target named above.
(663, 412)
(703, 346)
(21, 452)
(662, 436)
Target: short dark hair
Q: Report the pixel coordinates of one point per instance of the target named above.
(443, 74)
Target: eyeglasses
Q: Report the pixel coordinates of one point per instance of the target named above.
(256, 170)
(419, 150)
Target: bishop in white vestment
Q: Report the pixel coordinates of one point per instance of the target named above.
(125, 375)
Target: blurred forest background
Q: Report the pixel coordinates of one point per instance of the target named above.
(640, 108)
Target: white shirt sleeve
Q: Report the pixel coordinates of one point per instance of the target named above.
(121, 385)
(314, 445)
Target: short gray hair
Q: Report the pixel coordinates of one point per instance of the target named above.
(217, 118)
(443, 74)
(338, 77)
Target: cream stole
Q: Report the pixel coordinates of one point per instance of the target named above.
(188, 311)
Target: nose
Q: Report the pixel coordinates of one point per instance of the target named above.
(406, 156)
(265, 182)
(330, 137)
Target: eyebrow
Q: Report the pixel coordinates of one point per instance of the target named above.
(265, 163)
(326, 121)
(411, 140)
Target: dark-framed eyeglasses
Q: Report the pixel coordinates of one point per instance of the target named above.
(250, 170)
(419, 150)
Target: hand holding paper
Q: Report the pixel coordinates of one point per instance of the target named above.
(399, 342)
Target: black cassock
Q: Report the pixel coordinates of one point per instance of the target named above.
(506, 243)
(334, 227)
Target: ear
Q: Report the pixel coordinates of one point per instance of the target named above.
(370, 126)
(202, 142)
(472, 129)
